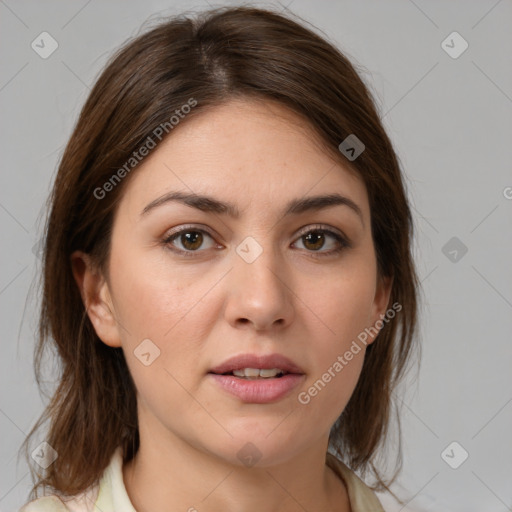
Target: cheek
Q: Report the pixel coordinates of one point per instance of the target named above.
(160, 303)
(152, 297)
(345, 310)
(335, 375)
(345, 307)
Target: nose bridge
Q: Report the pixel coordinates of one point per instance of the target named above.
(258, 289)
(257, 262)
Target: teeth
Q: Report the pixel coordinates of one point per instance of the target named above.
(255, 373)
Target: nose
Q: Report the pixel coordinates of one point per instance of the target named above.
(259, 295)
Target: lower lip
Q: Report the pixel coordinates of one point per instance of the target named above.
(259, 391)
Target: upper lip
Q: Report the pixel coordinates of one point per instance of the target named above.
(257, 361)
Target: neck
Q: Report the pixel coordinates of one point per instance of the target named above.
(177, 476)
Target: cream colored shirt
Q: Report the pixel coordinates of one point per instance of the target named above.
(110, 494)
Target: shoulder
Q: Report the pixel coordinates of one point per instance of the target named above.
(107, 495)
(362, 498)
(84, 502)
(45, 504)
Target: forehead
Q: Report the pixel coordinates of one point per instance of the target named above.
(245, 152)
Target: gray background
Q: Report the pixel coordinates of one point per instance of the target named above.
(450, 120)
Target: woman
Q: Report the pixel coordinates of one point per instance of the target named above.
(227, 277)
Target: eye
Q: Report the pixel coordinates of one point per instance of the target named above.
(190, 239)
(314, 239)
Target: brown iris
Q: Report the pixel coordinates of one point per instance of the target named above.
(192, 240)
(314, 236)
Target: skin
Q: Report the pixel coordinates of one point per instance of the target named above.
(202, 310)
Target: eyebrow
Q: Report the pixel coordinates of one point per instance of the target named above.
(294, 207)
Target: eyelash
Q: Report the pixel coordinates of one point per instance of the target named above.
(343, 242)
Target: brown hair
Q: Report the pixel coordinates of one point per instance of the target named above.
(213, 57)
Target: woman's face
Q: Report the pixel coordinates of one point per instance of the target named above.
(262, 283)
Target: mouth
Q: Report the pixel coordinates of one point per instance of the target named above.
(254, 366)
(257, 373)
(258, 379)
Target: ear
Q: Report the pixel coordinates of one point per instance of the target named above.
(380, 306)
(96, 298)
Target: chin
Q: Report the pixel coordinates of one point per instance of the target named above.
(255, 445)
